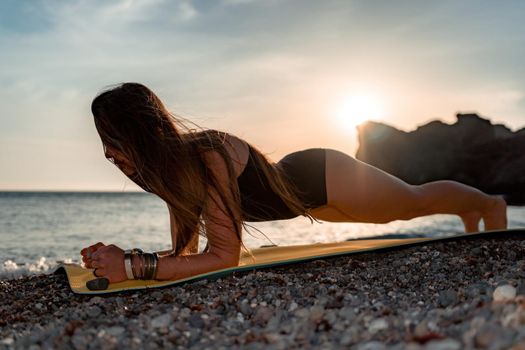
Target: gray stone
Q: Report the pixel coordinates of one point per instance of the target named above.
(447, 298)
(347, 313)
(96, 300)
(346, 339)
(7, 341)
(246, 309)
(330, 317)
(162, 321)
(93, 311)
(476, 251)
(316, 314)
(79, 341)
(377, 325)
(115, 331)
(504, 293)
(262, 315)
(195, 320)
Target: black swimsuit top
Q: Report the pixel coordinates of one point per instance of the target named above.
(258, 201)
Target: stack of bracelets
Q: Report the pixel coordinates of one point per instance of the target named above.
(148, 262)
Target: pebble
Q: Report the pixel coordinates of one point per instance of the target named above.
(377, 325)
(447, 298)
(316, 314)
(246, 309)
(196, 321)
(504, 293)
(293, 306)
(346, 339)
(93, 311)
(115, 331)
(79, 341)
(7, 341)
(347, 313)
(162, 321)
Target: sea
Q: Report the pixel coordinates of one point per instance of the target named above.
(39, 230)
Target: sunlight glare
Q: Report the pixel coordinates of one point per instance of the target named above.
(356, 109)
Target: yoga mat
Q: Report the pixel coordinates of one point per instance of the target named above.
(267, 257)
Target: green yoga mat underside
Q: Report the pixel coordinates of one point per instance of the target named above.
(276, 256)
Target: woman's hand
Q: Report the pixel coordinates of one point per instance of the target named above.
(88, 252)
(108, 260)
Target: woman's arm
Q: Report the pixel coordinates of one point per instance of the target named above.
(224, 245)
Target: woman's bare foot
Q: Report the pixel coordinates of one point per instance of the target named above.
(495, 217)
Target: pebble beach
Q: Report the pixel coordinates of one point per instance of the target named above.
(445, 295)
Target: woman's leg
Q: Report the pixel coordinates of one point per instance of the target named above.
(363, 193)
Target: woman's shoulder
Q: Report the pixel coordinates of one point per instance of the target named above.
(238, 150)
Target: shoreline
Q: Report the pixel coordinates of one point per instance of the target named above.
(440, 296)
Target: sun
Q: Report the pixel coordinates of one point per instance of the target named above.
(356, 109)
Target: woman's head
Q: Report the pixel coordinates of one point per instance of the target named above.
(120, 160)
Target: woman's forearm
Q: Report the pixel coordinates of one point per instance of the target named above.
(177, 267)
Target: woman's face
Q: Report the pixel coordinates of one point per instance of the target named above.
(116, 157)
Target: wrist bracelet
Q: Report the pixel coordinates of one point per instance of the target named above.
(127, 265)
(142, 267)
(146, 266)
(149, 273)
(156, 269)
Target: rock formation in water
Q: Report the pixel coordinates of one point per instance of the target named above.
(472, 151)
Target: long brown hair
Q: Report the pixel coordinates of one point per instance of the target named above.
(167, 155)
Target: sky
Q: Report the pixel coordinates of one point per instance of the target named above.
(283, 75)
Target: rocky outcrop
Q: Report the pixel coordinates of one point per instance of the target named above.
(473, 151)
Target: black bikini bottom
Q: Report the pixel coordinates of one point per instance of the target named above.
(306, 169)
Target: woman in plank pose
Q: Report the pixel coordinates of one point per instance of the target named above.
(214, 182)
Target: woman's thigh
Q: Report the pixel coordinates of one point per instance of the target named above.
(364, 193)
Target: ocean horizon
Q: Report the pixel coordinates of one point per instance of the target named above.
(40, 229)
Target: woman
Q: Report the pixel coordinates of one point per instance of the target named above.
(214, 182)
